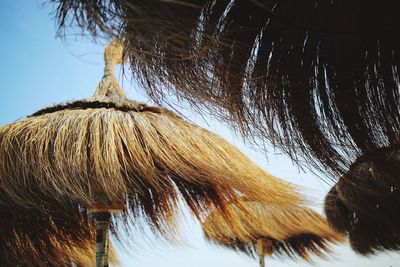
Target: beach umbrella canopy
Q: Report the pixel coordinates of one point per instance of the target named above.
(283, 230)
(364, 202)
(319, 79)
(109, 153)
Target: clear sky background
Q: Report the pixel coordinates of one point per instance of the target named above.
(37, 70)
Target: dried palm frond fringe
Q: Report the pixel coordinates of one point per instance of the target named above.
(365, 202)
(55, 237)
(146, 158)
(295, 232)
(319, 79)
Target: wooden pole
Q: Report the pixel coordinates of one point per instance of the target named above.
(263, 248)
(101, 210)
(102, 238)
(262, 261)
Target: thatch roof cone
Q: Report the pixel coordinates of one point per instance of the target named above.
(364, 202)
(145, 157)
(317, 78)
(109, 87)
(294, 231)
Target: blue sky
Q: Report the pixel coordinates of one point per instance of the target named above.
(38, 70)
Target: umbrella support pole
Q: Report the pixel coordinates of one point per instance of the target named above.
(262, 261)
(263, 248)
(102, 238)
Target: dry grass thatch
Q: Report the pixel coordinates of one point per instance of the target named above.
(317, 78)
(145, 157)
(365, 201)
(55, 237)
(294, 231)
(45, 237)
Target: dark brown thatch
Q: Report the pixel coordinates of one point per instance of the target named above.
(145, 157)
(30, 238)
(46, 238)
(365, 202)
(317, 78)
(295, 232)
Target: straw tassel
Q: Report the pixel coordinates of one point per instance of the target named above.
(109, 86)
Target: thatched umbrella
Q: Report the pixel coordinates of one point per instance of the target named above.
(317, 78)
(365, 202)
(282, 230)
(108, 153)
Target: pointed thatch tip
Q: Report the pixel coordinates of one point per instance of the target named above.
(108, 86)
(113, 53)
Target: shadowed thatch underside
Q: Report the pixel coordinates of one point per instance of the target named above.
(365, 201)
(294, 231)
(317, 78)
(146, 158)
(52, 236)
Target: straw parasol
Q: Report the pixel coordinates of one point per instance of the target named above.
(282, 230)
(364, 203)
(319, 79)
(111, 154)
